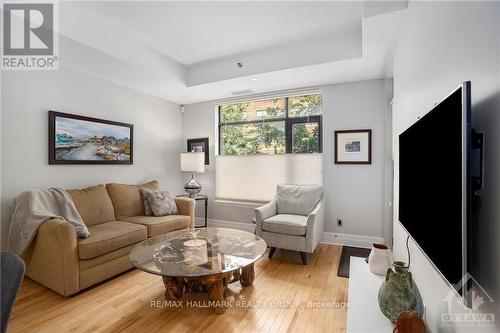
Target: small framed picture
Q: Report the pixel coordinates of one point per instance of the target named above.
(199, 145)
(353, 146)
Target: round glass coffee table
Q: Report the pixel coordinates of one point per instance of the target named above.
(200, 260)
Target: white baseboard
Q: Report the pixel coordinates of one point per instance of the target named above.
(350, 240)
(328, 237)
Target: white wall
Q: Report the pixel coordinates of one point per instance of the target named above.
(442, 45)
(26, 98)
(355, 193)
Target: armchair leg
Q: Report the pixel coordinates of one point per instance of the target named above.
(304, 257)
(271, 252)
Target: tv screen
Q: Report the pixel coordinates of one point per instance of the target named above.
(433, 167)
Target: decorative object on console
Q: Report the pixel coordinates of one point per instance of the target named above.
(77, 139)
(192, 162)
(199, 145)
(399, 293)
(409, 322)
(353, 146)
(379, 259)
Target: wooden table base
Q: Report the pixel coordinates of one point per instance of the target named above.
(215, 285)
(247, 275)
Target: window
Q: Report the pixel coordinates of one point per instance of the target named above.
(271, 126)
(268, 142)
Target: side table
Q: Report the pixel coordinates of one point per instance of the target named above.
(198, 197)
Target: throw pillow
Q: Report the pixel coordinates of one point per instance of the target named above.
(161, 203)
(127, 199)
(147, 207)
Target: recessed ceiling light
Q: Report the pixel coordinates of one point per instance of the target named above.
(254, 79)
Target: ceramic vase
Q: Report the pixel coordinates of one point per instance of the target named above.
(380, 259)
(399, 293)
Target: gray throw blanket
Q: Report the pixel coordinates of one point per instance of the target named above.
(32, 208)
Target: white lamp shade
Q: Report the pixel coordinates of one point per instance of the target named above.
(193, 162)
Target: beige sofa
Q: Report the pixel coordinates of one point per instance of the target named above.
(114, 215)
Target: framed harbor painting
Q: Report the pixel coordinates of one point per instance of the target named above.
(353, 146)
(75, 139)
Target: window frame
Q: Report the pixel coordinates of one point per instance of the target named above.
(302, 120)
(289, 122)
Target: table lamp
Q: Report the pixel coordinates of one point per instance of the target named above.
(193, 162)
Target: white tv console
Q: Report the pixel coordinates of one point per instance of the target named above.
(363, 314)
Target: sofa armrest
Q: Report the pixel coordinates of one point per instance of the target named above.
(186, 206)
(264, 212)
(52, 258)
(315, 225)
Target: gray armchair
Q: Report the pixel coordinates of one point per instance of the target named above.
(293, 220)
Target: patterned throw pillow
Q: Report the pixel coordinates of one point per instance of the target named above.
(147, 207)
(161, 203)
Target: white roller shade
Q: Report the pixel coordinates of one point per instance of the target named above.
(254, 178)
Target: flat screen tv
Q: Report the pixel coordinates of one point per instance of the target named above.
(435, 184)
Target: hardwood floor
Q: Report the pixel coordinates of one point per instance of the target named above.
(124, 303)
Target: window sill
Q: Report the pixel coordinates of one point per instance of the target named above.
(235, 203)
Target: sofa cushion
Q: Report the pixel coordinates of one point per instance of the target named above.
(103, 259)
(93, 204)
(127, 199)
(297, 199)
(161, 202)
(286, 224)
(161, 224)
(110, 236)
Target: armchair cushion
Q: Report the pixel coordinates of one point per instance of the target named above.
(298, 199)
(286, 224)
